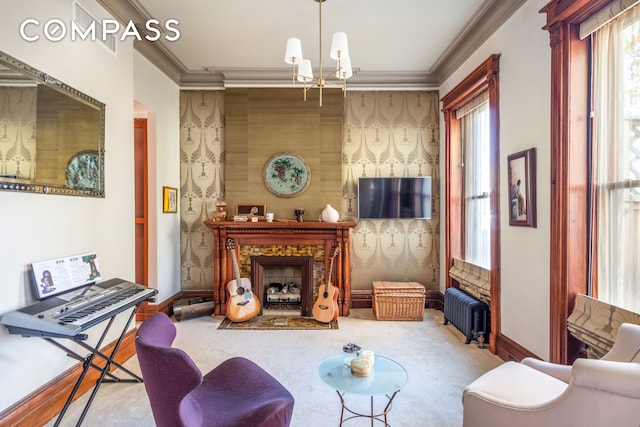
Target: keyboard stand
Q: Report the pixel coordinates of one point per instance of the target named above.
(88, 362)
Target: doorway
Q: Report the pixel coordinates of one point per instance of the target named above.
(141, 202)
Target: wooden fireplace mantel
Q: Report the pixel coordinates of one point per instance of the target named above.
(328, 234)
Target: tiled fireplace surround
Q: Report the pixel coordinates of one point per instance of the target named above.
(261, 245)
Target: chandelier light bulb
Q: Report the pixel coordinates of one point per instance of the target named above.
(293, 54)
(339, 46)
(345, 71)
(305, 72)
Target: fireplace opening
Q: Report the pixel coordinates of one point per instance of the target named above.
(283, 283)
(282, 288)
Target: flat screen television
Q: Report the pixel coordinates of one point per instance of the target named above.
(394, 198)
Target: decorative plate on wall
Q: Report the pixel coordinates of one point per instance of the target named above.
(83, 170)
(287, 175)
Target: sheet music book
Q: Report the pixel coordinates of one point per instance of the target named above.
(60, 275)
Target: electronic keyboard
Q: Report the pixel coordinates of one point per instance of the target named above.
(60, 317)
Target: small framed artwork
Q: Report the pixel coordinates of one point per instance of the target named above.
(522, 188)
(169, 200)
(251, 210)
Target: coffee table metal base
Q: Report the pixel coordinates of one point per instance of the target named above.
(381, 417)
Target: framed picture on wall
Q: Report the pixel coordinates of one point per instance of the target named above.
(169, 200)
(522, 188)
(252, 210)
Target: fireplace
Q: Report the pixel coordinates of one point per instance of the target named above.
(299, 296)
(283, 239)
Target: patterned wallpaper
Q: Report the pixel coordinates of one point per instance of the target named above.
(18, 132)
(202, 182)
(392, 134)
(385, 134)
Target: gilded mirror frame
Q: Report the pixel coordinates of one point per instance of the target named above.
(93, 157)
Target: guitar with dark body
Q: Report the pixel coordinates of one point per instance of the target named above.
(326, 307)
(242, 304)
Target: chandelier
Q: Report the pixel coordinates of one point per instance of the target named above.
(301, 68)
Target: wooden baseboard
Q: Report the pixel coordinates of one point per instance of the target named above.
(361, 299)
(434, 299)
(45, 403)
(147, 310)
(508, 349)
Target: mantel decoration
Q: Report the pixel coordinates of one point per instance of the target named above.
(522, 188)
(304, 73)
(287, 175)
(220, 214)
(250, 211)
(329, 214)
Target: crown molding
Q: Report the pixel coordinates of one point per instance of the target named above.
(487, 21)
(492, 14)
(156, 53)
(281, 77)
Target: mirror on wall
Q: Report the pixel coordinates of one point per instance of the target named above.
(51, 135)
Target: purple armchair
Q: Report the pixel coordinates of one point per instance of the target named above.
(235, 393)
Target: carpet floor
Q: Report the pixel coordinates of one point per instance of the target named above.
(438, 363)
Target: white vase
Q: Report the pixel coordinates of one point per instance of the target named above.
(329, 214)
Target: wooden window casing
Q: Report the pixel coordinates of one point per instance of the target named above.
(569, 230)
(483, 78)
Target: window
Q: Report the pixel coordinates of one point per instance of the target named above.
(616, 162)
(472, 173)
(474, 125)
(569, 23)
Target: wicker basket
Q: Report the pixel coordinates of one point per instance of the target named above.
(398, 300)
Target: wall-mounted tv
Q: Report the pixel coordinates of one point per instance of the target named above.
(394, 198)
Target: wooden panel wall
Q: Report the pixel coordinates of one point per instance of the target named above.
(262, 122)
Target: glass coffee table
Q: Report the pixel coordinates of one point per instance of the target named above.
(386, 379)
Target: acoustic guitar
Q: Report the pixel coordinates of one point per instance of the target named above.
(242, 304)
(326, 307)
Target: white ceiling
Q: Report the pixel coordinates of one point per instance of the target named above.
(403, 42)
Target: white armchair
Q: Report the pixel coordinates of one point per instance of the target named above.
(604, 392)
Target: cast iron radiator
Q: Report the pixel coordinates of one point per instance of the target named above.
(467, 313)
